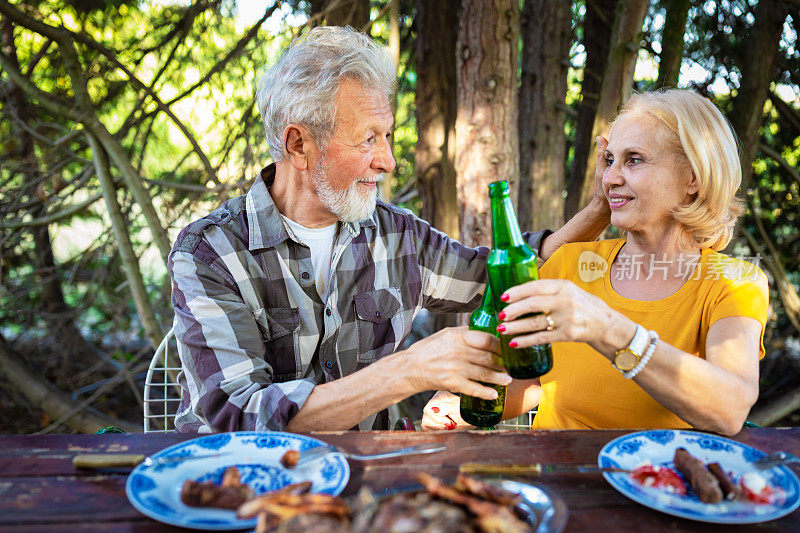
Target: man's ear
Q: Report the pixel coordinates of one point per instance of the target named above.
(296, 142)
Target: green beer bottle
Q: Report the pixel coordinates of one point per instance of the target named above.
(477, 411)
(512, 262)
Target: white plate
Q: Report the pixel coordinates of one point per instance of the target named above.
(155, 490)
(658, 447)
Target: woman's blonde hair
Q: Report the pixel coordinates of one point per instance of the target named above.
(700, 133)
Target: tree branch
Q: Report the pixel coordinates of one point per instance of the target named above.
(52, 400)
(54, 217)
(786, 110)
(786, 291)
(781, 161)
(59, 35)
(235, 52)
(126, 252)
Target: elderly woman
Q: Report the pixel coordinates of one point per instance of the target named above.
(656, 329)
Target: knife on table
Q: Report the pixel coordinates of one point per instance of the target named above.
(122, 460)
(536, 469)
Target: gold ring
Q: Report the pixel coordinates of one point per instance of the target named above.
(550, 324)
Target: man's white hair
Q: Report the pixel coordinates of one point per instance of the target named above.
(301, 87)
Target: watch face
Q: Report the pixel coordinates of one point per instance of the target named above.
(626, 360)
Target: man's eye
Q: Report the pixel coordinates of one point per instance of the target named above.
(370, 140)
(634, 160)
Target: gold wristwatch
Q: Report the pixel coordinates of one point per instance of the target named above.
(627, 358)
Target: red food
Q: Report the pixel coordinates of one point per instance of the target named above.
(764, 495)
(659, 477)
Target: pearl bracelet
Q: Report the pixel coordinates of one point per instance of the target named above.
(645, 358)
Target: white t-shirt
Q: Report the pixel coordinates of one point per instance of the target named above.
(320, 241)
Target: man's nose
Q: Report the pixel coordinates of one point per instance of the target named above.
(383, 160)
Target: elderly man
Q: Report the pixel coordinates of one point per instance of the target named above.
(291, 301)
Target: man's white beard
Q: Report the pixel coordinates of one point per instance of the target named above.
(349, 205)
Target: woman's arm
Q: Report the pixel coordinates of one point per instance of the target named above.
(442, 411)
(591, 221)
(713, 394)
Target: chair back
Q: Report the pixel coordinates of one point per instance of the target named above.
(522, 422)
(162, 393)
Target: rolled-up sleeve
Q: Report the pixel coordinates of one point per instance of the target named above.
(454, 275)
(228, 385)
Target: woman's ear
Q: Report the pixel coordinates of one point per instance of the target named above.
(295, 144)
(693, 187)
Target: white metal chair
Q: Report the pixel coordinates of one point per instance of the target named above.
(161, 390)
(523, 421)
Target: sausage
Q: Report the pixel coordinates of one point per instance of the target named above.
(703, 482)
(729, 488)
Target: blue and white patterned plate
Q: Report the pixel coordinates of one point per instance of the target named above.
(658, 448)
(155, 490)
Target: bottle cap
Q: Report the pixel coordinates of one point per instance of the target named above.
(498, 189)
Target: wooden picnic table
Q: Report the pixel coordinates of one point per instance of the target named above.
(40, 490)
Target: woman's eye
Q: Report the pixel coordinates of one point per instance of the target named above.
(633, 160)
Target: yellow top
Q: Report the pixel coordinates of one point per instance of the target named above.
(584, 390)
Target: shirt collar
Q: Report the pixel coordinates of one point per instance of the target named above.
(265, 225)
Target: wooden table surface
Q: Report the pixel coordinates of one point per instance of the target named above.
(41, 491)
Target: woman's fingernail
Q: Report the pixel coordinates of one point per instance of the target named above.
(513, 344)
(501, 328)
(435, 409)
(508, 380)
(501, 315)
(505, 297)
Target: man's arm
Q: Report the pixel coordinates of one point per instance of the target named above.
(231, 382)
(226, 369)
(454, 359)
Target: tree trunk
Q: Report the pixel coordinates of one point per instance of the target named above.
(669, 64)
(597, 24)
(617, 82)
(758, 69)
(385, 186)
(487, 143)
(436, 114)
(546, 35)
(353, 13)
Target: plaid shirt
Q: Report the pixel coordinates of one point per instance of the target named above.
(254, 337)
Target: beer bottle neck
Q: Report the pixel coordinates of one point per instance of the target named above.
(487, 304)
(505, 228)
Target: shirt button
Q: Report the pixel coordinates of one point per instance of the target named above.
(305, 275)
(328, 311)
(329, 364)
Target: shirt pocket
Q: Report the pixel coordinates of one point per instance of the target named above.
(279, 330)
(380, 327)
